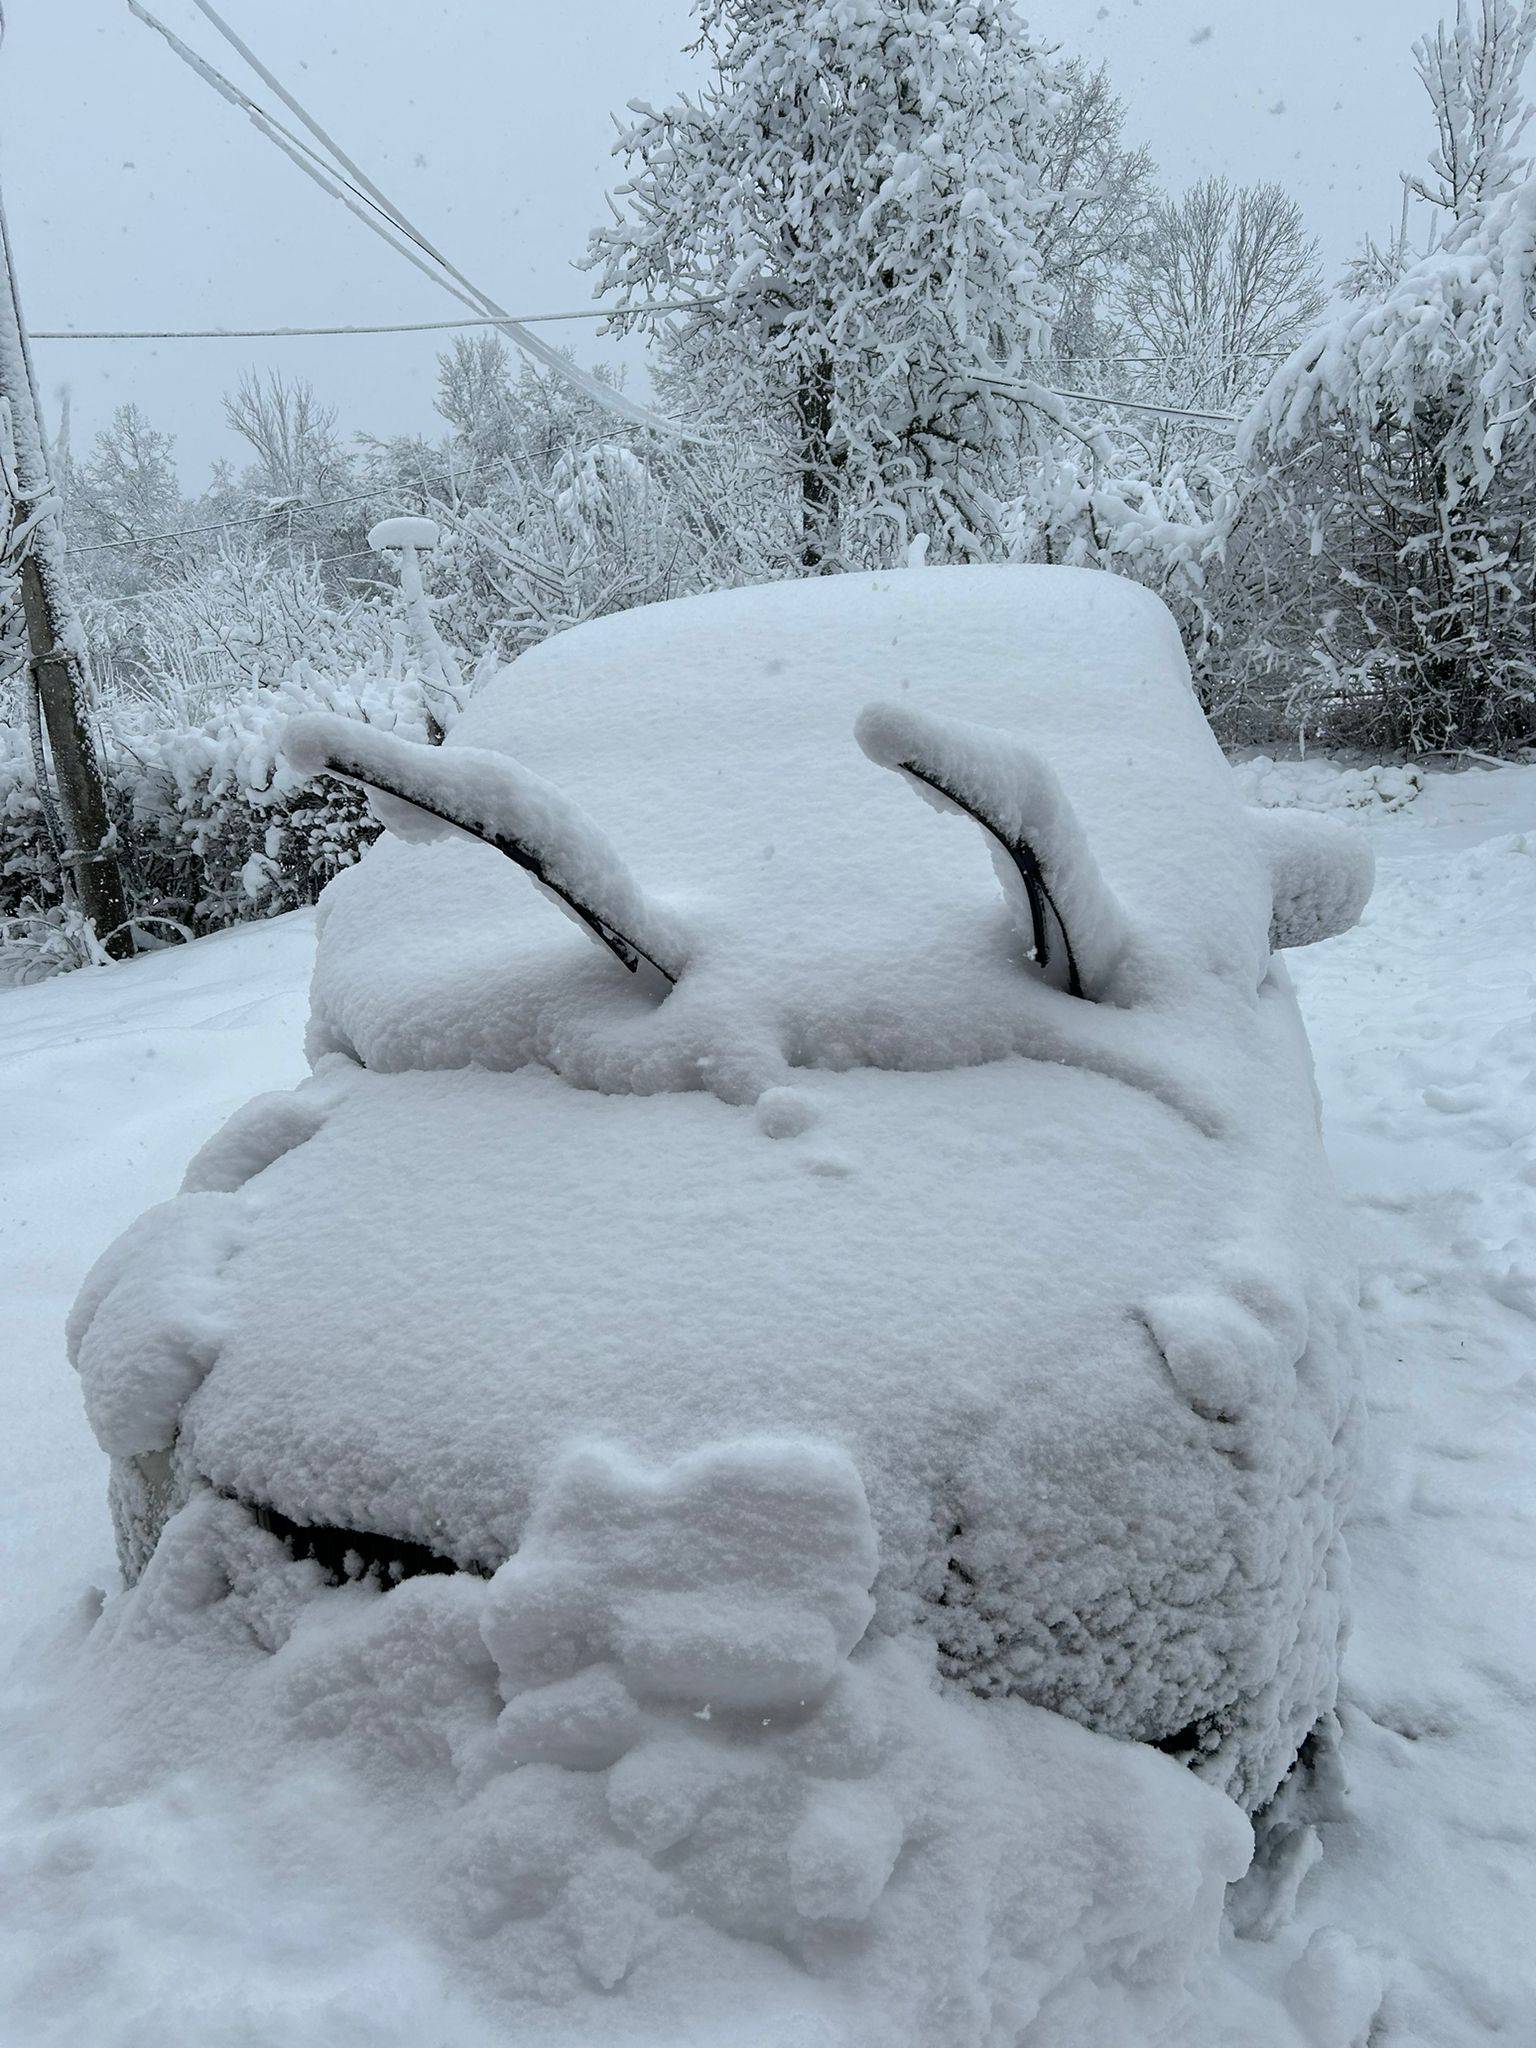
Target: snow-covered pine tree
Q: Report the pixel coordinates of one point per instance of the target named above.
(856, 193)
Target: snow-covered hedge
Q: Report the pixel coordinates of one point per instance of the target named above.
(214, 827)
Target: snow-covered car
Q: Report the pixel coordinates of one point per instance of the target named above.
(896, 1226)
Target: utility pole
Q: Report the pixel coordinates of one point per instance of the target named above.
(57, 669)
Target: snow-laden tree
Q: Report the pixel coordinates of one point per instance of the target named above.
(127, 487)
(1102, 189)
(1219, 281)
(129, 484)
(299, 456)
(856, 197)
(1398, 444)
(1473, 71)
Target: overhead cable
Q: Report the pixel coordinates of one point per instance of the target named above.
(304, 333)
(285, 510)
(364, 198)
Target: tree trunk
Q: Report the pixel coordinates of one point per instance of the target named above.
(813, 417)
(88, 850)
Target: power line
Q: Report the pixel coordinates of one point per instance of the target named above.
(1173, 412)
(1029, 394)
(389, 327)
(381, 215)
(602, 313)
(284, 510)
(1175, 355)
(697, 305)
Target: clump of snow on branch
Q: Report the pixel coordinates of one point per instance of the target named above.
(1473, 70)
(1453, 342)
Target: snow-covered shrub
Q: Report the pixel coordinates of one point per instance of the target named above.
(234, 619)
(213, 828)
(202, 672)
(1400, 456)
(32, 915)
(538, 554)
(217, 829)
(1167, 531)
(1394, 454)
(607, 525)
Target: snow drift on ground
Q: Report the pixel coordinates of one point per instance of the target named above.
(273, 1892)
(663, 1794)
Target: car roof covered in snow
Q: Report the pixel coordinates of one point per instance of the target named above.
(828, 918)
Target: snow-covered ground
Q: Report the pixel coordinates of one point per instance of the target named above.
(183, 1917)
(1423, 1022)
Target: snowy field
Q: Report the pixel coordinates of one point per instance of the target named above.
(179, 1919)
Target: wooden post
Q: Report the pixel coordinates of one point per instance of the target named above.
(57, 665)
(88, 851)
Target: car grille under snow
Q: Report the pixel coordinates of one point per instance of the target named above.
(351, 1554)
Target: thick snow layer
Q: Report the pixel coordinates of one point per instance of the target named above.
(647, 1784)
(191, 1854)
(1059, 1503)
(1322, 785)
(1068, 1286)
(830, 921)
(1321, 872)
(404, 532)
(1427, 1060)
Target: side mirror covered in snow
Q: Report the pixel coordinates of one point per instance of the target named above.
(1321, 872)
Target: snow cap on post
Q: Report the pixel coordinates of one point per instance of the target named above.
(431, 792)
(404, 532)
(1074, 928)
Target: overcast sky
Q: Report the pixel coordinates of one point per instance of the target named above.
(139, 199)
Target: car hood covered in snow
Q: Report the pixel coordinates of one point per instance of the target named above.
(1059, 1275)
